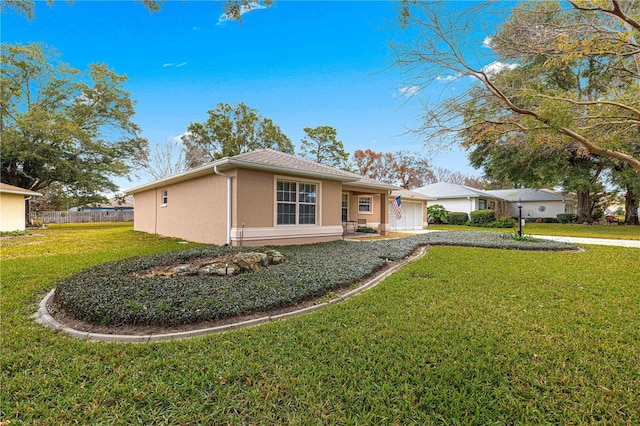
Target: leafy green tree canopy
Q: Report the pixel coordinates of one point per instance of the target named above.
(232, 130)
(60, 125)
(322, 146)
(546, 51)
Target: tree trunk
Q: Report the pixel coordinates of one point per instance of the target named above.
(631, 201)
(583, 206)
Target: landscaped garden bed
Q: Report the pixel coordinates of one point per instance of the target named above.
(124, 293)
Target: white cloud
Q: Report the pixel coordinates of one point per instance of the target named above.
(495, 67)
(171, 64)
(243, 9)
(449, 77)
(409, 90)
(177, 139)
(487, 42)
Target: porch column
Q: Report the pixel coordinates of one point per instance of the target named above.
(384, 215)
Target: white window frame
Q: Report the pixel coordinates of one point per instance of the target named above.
(164, 195)
(297, 203)
(365, 197)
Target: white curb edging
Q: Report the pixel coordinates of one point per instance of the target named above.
(42, 315)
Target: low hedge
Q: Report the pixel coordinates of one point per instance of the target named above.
(506, 222)
(566, 218)
(482, 217)
(458, 218)
(110, 294)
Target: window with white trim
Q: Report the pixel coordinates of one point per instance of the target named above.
(296, 202)
(165, 197)
(365, 204)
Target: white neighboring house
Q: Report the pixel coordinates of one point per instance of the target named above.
(12, 207)
(414, 211)
(536, 203)
(457, 198)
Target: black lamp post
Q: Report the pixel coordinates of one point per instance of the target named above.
(520, 217)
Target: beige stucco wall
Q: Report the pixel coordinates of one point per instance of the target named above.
(11, 212)
(144, 214)
(331, 203)
(195, 211)
(254, 199)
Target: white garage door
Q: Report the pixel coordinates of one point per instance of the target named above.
(411, 217)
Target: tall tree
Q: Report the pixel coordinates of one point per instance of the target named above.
(404, 168)
(164, 160)
(322, 146)
(232, 130)
(60, 125)
(538, 40)
(623, 176)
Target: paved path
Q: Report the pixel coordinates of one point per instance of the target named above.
(574, 240)
(595, 241)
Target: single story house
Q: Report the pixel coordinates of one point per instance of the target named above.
(264, 197)
(536, 203)
(13, 210)
(458, 198)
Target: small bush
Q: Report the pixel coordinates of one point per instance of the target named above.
(506, 222)
(367, 230)
(566, 218)
(482, 217)
(458, 218)
(436, 213)
(549, 220)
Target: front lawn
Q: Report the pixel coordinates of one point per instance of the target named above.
(461, 336)
(618, 232)
(123, 292)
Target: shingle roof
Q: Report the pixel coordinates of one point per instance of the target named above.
(526, 194)
(275, 161)
(289, 161)
(450, 190)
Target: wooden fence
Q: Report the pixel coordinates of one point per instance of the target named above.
(81, 217)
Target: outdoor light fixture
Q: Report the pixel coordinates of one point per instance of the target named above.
(520, 217)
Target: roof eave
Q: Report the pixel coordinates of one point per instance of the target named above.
(25, 192)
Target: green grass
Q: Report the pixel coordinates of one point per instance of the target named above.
(618, 232)
(462, 336)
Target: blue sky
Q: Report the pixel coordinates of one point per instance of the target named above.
(302, 64)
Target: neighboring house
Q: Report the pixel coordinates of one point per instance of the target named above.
(13, 211)
(264, 197)
(458, 198)
(536, 203)
(113, 205)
